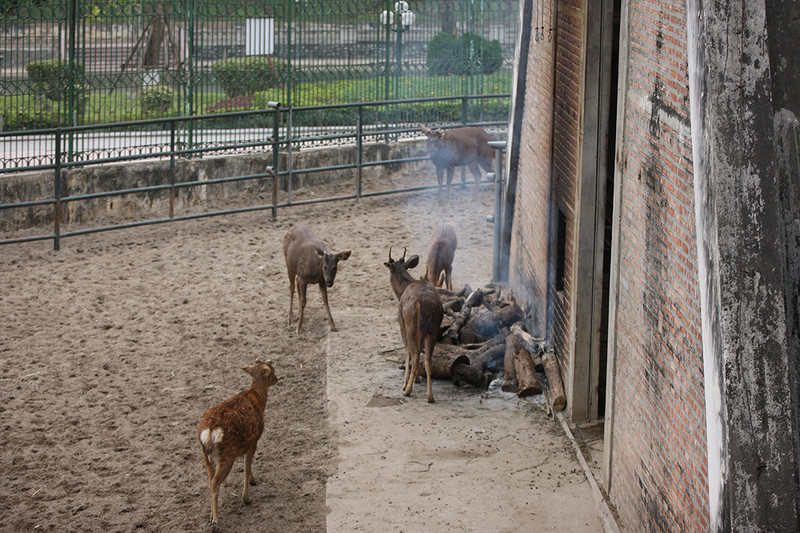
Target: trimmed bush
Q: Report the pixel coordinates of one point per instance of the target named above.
(156, 99)
(448, 54)
(244, 76)
(49, 77)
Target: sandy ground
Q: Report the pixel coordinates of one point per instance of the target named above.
(112, 348)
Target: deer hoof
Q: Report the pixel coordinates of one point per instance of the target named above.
(246, 501)
(431, 400)
(253, 483)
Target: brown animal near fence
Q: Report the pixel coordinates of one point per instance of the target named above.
(467, 146)
(307, 262)
(420, 315)
(441, 251)
(232, 429)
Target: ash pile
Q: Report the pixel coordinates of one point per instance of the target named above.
(482, 338)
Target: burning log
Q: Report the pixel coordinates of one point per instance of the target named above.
(486, 358)
(451, 335)
(489, 323)
(490, 352)
(551, 369)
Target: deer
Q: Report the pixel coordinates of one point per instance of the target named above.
(307, 261)
(420, 316)
(440, 256)
(467, 146)
(232, 429)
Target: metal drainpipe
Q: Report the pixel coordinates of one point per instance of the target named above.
(497, 218)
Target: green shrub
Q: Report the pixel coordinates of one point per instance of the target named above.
(49, 77)
(448, 54)
(156, 99)
(247, 75)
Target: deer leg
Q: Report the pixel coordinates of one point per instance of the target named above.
(219, 476)
(448, 278)
(248, 474)
(323, 290)
(429, 344)
(450, 171)
(406, 381)
(291, 297)
(301, 298)
(476, 172)
(439, 178)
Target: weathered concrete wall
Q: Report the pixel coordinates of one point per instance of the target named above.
(746, 209)
(152, 204)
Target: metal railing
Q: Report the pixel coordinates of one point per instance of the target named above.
(79, 62)
(281, 139)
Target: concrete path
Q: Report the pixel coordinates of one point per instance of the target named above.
(470, 462)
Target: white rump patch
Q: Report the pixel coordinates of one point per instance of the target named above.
(210, 437)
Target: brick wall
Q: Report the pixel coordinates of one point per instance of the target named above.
(529, 238)
(659, 477)
(659, 466)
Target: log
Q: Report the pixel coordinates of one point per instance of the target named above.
(469, 374)
(527, 381)
(442, 364)
(533, 344)
(467, 336)
(551, 369)
(489, 323)
(487, 358)
(509, 372)
(474, 299)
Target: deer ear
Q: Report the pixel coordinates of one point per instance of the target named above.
(426, 130)
(388, 265)
(412, 261)
(249, 369)
(320, 253)
(344, 256)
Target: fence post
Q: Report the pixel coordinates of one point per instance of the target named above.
(359, 148)
(276, 115)
(57, 195)
(172, 169)
(289, 157)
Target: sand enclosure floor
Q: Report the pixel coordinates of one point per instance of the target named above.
(112, 348)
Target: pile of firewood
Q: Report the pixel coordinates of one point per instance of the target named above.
(482, 335)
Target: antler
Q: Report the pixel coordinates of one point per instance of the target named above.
(404, 254)
(390, 255)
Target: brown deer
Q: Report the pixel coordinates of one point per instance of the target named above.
(232, 429)
(440, 256)
(467, 146)
(307, 261)
(420, 316)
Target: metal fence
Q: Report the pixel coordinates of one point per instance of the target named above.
(278, 138)
(79, 62)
